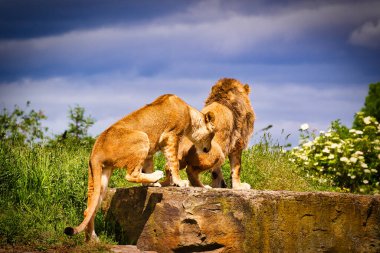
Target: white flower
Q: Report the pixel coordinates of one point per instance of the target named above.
(331, 156)
(367, 171)
(304, 127)
(353, 159)
(367, 120)
(308, 144)
(334, 145)
(378, 156)
(344, 159)
(315, 164)
(321, 132)
(365, 181)
(374, 170)
(352, 131)
(358, 132)
(364, 165)
(326, 150)
(328, 134)
(353, 177)
(358, 153)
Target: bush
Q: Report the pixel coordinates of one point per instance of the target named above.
(346, 158)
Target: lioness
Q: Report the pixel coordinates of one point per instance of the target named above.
(131, 142)
(234, 122)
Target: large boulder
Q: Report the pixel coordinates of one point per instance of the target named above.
(191, 219)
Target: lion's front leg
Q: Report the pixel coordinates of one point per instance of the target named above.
(217, 178)
(193, 175)
(235, 163)
(170, 150)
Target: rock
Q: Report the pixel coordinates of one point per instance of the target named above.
(128, 249)
(172, 219)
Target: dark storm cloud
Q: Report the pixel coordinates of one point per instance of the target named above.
(38, 18)
(144, 40)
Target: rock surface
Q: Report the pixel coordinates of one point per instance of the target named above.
(223, 220)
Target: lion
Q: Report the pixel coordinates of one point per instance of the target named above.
(234, 122)
(131, 142)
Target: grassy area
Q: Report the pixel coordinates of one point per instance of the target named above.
(43, 189)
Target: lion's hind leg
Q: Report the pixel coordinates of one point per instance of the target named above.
(90, 229)
(149, 168)
(135, 158)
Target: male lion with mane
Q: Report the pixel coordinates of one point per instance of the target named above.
(234, 121)
(131, 142)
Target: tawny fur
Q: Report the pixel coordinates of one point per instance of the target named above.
(234, 122)
(131, 143)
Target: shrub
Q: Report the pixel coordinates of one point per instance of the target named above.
(346, 158)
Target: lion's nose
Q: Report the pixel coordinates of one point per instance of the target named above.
(205, 150)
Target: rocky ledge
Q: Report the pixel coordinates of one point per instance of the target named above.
(223, 220)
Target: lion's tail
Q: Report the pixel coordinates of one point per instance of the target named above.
(96, 177)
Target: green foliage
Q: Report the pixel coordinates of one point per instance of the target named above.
(22, 126)
(42, 190)
(346, 158)
(266, 166)
(79, 123)
(77, 132)
(371, 104)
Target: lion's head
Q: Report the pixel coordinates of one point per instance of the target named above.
(235, 96)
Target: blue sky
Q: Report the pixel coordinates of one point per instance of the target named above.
(306, 61)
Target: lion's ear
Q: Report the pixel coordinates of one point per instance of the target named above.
(247, 88)
(209, 117)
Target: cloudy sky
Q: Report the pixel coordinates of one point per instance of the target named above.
(306, 61)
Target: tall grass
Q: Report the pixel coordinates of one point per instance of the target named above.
(266, 166)
(44, 188)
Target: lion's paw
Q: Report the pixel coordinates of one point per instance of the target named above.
(156, 184)
(157, 175)
(182, 183)
(207, 186)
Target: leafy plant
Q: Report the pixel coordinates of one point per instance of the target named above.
(79, 123)
(22, 126)
(371, 104)
(346, 158)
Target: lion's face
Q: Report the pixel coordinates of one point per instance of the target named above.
(203, 135)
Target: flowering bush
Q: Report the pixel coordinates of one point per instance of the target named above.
(347, 158)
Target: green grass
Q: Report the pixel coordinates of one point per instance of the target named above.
(43, 188)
